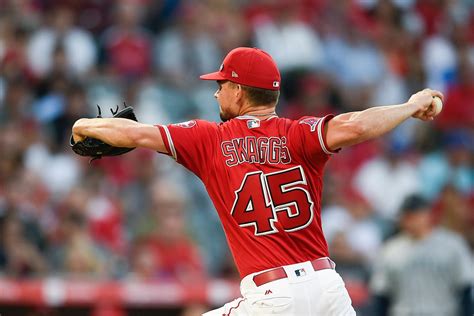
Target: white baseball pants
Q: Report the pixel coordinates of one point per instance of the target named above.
(320, 293)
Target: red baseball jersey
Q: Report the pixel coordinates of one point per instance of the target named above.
(265, 180)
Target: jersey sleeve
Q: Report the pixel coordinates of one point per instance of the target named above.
(308, 135)
(191, 144)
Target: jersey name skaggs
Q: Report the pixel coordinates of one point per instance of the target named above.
(251, 149)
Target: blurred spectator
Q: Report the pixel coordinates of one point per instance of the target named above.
(284, 35)
(50, 100)
(453, 210)
(19, 258)
(60, 35)
(386, 180)
(397, 47)
(356, 64)
(281, 29)
(225, 22)
(342, 168)
(352, 227)
(457, 113)
(451, 166)
(26, 197)
(186, 50)
(314, 98)
(25, 13)
(143, 266)
(160, 14)
(58, 170)
(105, 222)
(434, 274)
(175, 257)
(13, 42)
(76, 106)
(91, 15)
(354, 238)
(14, 106)
(126, 44)
(76, 255)
(136, 194)
(440, 61)
(433, 13)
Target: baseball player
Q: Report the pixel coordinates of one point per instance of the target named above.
(434, 274)
(264, 175)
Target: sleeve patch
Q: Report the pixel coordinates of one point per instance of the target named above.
(187, 124)
(312, 122)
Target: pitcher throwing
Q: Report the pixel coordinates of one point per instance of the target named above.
(264, 175)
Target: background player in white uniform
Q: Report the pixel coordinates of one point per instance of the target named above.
(423, 270)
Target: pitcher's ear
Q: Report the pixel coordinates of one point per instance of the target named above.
(239, 90)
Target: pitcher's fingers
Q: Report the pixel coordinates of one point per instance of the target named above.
(431, 110)
(436, 93)
(77, 138)
(428, 116)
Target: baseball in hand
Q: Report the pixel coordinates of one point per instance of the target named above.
(437, 105)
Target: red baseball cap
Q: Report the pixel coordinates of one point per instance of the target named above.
(248, 66)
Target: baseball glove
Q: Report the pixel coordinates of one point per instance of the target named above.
(95, 148)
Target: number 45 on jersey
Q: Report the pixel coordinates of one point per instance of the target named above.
(265, 199)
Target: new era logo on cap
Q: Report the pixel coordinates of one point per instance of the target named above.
(248, 66)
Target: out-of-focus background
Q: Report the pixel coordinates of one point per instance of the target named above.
(137, 234)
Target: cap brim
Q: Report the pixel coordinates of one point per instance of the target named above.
(213, 76)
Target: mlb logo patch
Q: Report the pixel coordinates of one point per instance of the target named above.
(253, 124)
(311, 121)
(300, 272)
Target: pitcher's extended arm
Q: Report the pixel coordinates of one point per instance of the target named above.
(119, 132)
(355, 127)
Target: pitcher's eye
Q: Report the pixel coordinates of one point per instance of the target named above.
(220, 83)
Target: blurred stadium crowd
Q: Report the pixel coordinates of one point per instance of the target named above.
(142, 217)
